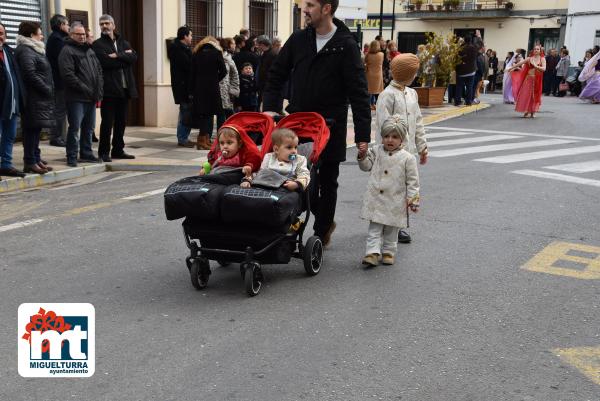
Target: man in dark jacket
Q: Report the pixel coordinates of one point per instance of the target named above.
(552, 60)
(116, 57)
(327, 74)
(55, 43)
(11, 103)
(81, 73)
(266, 60)
(180, 57)
(465, 72)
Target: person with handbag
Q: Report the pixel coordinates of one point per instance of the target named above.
(562, 68)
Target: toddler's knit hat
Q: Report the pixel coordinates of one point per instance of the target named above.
(395, 124)
(404, 67)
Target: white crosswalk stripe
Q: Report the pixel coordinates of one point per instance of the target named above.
(581, 167)
(545, 154)
(495, 148)
(450, 142)
(559, 177)
(450, 134)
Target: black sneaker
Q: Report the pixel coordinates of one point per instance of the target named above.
(94, 138)
(89, 159)
(105, 158)
(403, 237)
(71, 162)
(58, 142)
(122, 155)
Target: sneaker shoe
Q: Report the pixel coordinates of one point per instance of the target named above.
(371, 260)
(58, 142)
(71, 162)
(88, 159)
(387, 259)
(327, 237)
(105, 158)
(122, 155)
(403, 237)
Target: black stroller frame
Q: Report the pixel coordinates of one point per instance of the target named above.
(250, 259)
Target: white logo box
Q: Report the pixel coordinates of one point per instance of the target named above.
(77, 363)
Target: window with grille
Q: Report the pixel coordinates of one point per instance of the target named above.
(204, 17)
(263, 17)
(597, 39)
(13, 12)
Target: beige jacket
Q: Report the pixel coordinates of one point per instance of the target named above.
(394, 180)
(406, 103)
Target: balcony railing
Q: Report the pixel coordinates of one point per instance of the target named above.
(463, 5)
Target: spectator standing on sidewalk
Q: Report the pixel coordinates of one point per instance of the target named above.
(246, 55)
(552, 60)
(60, 32)
(230, 84)
(324, 64)
(208, 69)
(374, 70)
(266, 60)
(465, 72)
(11, 104)
(562, 70)
(116, 58)
(493, 70)
(180, 57)
(38, 93)
(81, 72)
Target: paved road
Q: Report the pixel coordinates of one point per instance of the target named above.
(457, 317)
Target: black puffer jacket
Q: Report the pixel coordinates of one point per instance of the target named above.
(180, 57)
(112, 67)
(38, 85)
(324, 82)
(81, 72)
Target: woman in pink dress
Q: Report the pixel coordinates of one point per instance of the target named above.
(528, 91)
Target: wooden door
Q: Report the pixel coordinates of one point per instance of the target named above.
(128, 21)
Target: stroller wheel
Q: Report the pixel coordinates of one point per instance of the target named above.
(199, 273)
(313, 256)
(253, 278)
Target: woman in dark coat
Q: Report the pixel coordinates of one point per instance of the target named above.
(38, 96)
(208, 69)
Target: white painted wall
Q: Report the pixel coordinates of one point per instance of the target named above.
(581, 29)
(352, 9)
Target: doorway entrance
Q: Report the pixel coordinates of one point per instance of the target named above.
(128, 21)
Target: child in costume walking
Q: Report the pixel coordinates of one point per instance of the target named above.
(392, 188)
(398, 98)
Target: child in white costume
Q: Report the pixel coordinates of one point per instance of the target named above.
(393, 186)
(399, 99)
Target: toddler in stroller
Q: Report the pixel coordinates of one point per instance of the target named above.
(260, 224)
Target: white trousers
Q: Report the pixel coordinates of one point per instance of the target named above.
(382, 239)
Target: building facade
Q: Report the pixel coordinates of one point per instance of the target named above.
(504, 27)
(583, 28)
(148, 25)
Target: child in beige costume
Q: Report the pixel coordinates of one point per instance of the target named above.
(393, 186)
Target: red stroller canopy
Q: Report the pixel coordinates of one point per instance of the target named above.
(307, 125)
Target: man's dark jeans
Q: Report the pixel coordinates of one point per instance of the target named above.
(82, 120)
(114, 117)
(59, 131)
(461, 83)
(31, 146)
(323, 195)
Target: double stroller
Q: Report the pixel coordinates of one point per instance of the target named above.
(250, 226)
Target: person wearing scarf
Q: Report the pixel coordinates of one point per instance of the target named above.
(38, 95)
(528, 94)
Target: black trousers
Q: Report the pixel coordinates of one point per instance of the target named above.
(31, 145)
(323, 195)
(114, 117)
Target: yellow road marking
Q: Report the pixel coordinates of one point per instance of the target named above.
(546, 261)
(585, 359)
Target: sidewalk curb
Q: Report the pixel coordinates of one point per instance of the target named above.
(37, 180)
(460, 111)
(152, 167)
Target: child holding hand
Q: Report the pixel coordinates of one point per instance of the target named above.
(285, 160)
(233, 148)
(392, 188)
